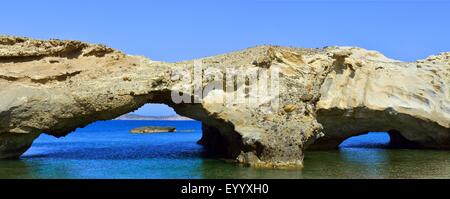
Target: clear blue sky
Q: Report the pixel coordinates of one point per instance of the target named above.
(170, 30)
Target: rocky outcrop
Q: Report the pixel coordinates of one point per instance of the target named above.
(153, 129)
(321, 96)
(369, 92)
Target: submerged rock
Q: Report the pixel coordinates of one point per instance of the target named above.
(323, 96)
(153, 129)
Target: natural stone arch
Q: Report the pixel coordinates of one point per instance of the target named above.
(410, 101)
(57, 86)
(403, 130)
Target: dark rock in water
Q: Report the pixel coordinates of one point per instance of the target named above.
(153, 129)
(186, 130)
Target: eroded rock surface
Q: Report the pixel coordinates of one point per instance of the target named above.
(324, 96)
(368, 92)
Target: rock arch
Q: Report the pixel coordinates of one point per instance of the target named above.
(410, 101)
(325, 94)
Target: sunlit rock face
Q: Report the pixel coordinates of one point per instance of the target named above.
(369, 92)
(321, 96)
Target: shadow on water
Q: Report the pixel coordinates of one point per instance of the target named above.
(16, 169)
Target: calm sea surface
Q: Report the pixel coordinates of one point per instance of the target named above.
(108, 150)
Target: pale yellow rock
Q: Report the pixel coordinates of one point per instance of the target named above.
(369, 92)
(325, 95)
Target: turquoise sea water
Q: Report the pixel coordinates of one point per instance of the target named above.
(107, 150)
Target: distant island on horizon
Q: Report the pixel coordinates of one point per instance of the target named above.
(132, 116)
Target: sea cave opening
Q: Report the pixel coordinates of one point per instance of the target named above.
(115, 139)
(93, 151)
(368, 140)
(391, 139)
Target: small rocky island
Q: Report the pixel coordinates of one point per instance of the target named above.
(153, 129)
